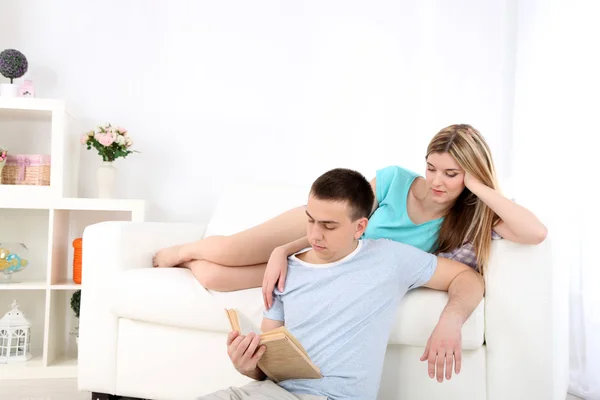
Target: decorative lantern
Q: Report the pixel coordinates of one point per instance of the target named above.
(15, 336)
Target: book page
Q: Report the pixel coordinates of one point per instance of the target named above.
(246, 325)
(237, 319)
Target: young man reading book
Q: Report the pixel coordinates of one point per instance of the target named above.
(341, 297)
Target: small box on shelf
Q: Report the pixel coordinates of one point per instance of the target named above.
(27, 169)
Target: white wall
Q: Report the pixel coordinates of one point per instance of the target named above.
(556, 142)
(217, 92)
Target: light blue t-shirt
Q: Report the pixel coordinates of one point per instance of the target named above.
(390, 220)
(342, 313)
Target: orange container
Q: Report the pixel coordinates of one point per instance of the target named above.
(78, 248)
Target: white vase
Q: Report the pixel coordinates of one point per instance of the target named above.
(106, 176)
(9, 90)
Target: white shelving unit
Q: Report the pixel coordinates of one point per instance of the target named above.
(47, 219)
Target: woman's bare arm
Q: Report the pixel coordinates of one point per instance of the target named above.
(518, 223)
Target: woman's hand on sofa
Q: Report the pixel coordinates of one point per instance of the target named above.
(244, 352)
(275, 273)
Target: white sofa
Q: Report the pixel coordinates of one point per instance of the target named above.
(158, 334)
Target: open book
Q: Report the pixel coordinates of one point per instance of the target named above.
(285, 358)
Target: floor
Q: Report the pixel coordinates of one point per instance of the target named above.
(56, 389)
(43, 389)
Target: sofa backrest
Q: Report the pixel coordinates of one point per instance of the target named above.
(243, 206)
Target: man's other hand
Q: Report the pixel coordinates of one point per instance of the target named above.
(444, 348)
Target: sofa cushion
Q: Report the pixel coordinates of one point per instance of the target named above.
(419, 312)
(173, 297)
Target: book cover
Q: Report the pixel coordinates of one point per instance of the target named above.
(284, 358)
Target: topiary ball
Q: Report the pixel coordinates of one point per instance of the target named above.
(76, 302)
(13, 64)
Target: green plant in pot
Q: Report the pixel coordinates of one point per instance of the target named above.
(75, 303)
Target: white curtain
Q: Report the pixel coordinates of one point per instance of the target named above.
(556, 156)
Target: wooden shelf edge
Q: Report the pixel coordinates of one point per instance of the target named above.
(35, 104)
(41, 198)
(25, 285)
(65, 286)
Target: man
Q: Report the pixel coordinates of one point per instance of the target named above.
(341, 297)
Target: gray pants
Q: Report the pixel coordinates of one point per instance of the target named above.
(263, 390)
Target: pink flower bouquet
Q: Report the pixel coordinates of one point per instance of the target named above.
(110, 142)
(3, 155)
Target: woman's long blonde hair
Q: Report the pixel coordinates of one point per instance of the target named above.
(469, 219)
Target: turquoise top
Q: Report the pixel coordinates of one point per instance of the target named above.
(390, 220)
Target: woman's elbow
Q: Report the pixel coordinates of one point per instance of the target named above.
(539, 236)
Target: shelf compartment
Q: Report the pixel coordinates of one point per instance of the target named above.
(40, 126)
(60, 335)
(32, 304)
(69, 225)
(29, 227)
(25, 136)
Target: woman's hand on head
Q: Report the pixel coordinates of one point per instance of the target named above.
(469, 181)
(275, 273)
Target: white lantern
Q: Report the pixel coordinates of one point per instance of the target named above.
(15, 336)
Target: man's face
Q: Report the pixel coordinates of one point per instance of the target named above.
(330, 229)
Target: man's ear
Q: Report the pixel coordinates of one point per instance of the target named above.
(361, 226)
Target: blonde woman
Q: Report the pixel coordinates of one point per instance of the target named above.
(453, 211)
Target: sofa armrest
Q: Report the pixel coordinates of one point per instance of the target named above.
(108, 249)
(527, 319)
(130, 245)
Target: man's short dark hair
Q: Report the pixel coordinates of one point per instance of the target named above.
(341, 184)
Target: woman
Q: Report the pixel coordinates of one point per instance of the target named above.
(453, 211)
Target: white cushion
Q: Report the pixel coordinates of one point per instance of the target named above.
(173, 297)
(419, 313)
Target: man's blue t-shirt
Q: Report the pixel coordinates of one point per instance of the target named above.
(342, 313)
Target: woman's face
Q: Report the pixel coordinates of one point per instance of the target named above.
(445, 178)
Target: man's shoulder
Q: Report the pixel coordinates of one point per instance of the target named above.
(394, 250)
(384, 243)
